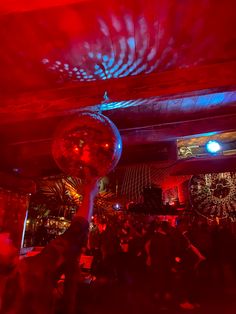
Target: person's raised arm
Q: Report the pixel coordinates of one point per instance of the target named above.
(86, 208)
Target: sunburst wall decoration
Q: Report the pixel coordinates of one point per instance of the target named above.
(213, 195)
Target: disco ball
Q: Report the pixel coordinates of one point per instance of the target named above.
(87, 146)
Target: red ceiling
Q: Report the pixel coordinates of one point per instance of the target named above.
(163, 47)
(14, 6)
(59, 56)
(149, 36)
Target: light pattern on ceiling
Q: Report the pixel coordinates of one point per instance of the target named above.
(134, 38)
(133, 53)
(98, 40)
(184, 103)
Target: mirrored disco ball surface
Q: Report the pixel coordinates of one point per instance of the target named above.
(88, 145)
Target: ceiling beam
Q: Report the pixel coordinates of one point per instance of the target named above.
(61, 101)
(204, 165)
(175, 130)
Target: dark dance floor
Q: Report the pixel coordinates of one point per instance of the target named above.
(101, 298)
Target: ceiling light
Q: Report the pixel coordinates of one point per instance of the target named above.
(213, 147)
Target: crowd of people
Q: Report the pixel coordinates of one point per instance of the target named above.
(173, 259)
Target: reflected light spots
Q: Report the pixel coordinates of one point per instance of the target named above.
(184, 103)
(132, 46)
